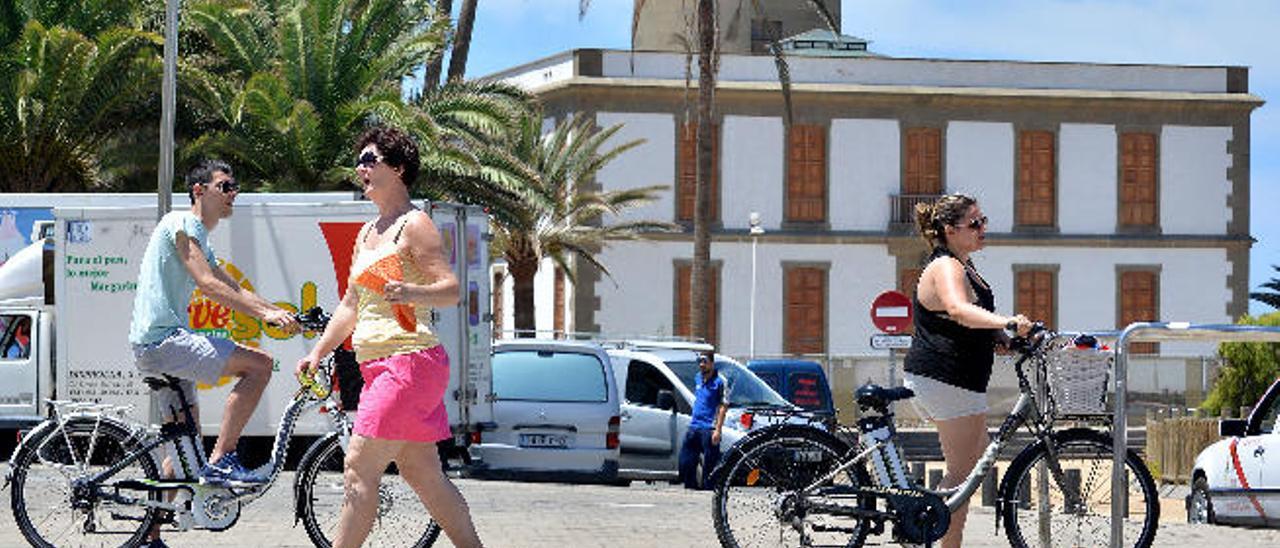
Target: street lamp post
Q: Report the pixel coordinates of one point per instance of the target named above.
(168, 108)
(756, 231)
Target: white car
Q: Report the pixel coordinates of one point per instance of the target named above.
(1237, 480)
(556, 413)
(657, 400)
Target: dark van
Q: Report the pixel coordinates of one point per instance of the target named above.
(801, 382)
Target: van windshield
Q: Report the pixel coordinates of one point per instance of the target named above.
(745, 389)
(533, 375)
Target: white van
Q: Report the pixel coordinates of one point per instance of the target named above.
(555, 413)
(657, 401)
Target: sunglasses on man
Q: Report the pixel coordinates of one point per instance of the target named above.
(367, 160)
(228, 186)
(975, 223)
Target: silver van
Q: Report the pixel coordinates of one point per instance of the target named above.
(657, 401)
(556, 413)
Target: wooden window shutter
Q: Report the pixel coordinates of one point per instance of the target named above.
(806, 311)
(807, 174)
(1138, 180)
(923, 169)
(686, 184)
(557, 314)
(1036, 298)
(684, 288)
(1139, 294)
(1036, 195)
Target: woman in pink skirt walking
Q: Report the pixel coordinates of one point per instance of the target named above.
(398, 275)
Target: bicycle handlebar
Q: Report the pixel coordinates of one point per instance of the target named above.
(313, 319)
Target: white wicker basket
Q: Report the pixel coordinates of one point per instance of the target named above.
(1078, 379)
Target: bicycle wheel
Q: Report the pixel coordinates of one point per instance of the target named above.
(319, 492)
(1036, 513)
(48, 508)
(758, 502)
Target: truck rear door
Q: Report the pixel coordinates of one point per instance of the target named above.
(466, 330)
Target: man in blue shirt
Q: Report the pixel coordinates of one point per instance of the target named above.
(710, 402)
(177, 261)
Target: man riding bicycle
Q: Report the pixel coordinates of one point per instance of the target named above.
(177, 260)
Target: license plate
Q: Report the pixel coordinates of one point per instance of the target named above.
(553, 441)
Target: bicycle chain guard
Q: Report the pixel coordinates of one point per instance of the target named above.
(922, 517)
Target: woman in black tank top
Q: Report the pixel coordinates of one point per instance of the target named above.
(956, 329)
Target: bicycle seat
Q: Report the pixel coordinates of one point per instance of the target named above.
(162, 382)
(870, 395)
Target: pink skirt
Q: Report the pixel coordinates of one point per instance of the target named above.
(403, 397)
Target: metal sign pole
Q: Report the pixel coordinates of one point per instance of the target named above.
(893, 366)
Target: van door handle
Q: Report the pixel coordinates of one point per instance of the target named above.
(625, 416)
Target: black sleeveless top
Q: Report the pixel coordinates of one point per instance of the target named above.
(946, 351)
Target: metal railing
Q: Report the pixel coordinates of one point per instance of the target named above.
(902, 207)
(1159, 332)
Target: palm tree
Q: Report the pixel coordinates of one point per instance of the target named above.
(1272, 299)
(462, 41)
(292, 83)
(64, 96)
(570, 219)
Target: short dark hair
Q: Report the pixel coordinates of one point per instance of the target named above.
(202, 174)
(398, 150)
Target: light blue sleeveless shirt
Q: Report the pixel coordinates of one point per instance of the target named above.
(164, 285)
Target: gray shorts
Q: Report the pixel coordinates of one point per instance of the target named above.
(939, 401)
(189, 356)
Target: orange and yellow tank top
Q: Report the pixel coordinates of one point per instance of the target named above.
(378, 334)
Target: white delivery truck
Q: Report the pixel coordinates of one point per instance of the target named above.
(65, 307)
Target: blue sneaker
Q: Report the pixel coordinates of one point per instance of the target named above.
(228, 470)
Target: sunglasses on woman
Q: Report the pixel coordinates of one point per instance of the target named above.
(368, 160)
(975, 223)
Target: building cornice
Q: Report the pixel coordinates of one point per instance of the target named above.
(891, 93)
(1006, 239)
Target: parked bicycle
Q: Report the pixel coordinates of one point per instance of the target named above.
(89, 476)
(794, 485)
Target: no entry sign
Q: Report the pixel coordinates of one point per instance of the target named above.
(891, 312)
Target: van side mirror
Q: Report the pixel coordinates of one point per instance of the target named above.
(1232, 427)
(666, 400)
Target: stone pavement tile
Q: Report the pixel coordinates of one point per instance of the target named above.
(544, 515)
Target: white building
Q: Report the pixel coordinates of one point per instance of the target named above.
(1116, 193)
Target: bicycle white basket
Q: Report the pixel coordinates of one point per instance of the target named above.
(1077, 379)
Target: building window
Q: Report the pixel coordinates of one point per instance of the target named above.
(1138, 180)
(498, 311)
(684, 289)
(1036, 195)
(557, 314)
(807, 174)
(687, 183)
(764, 32)
(1036, 295)
(805, 317)
(922, 171)
(1139, 295)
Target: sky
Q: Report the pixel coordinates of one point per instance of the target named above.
(1180, 32)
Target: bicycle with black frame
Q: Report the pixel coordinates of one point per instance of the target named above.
(798, 485)
(89, 475)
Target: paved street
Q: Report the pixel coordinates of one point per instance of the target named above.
(534, 515)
